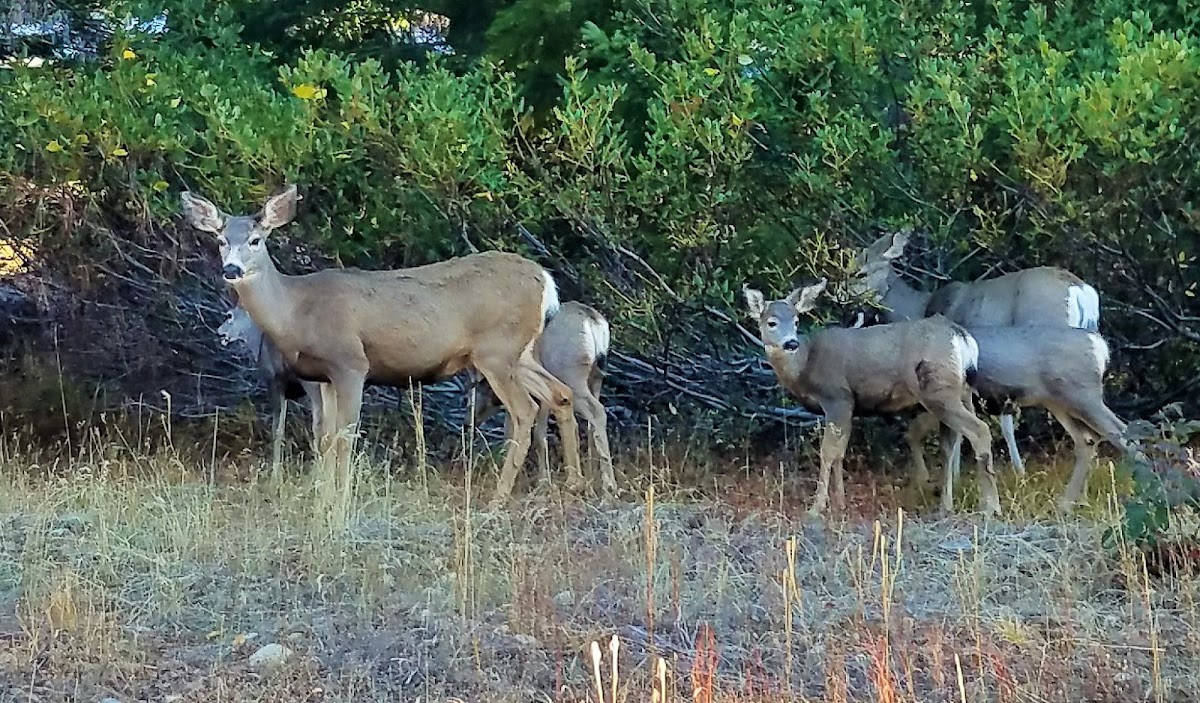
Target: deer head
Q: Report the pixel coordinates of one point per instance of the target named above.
(875, 265)
(242, 238)
(777, 320)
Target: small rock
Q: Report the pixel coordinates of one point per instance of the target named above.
(527, 642)
(270, 656)
(957, 545)
(564, 599)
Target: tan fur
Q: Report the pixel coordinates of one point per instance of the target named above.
(881, 369)
(571, 348)
(239, 327)
(349, 328)
(1032, 296)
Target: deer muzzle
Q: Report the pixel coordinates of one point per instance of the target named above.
(791, 345)
(231, 272)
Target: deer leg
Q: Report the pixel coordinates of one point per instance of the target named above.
(281, 403)
(1085, 453)
(1093, 420)
(589, 407)
(1008, 427)
(326, 447)
(833, 449)
(486, 404)
(918, 430)
(349, 391)
(959, 418)
(951, 443)
(521, 413)
(541, 427)
(553, 393)
(598, 445)
(313, 391)
(1105, 423)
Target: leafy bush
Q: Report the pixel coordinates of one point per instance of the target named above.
(694, 144)
(1166, 485)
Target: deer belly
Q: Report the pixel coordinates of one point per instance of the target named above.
(893, 400)
(309, 368)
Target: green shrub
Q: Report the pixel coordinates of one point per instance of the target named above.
(694, 144)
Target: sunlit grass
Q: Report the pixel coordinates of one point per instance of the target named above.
(156, 574)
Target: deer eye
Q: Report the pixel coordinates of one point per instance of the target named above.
(255, 241)
(772, 323)
(223, 241)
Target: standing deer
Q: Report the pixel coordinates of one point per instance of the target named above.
(1058, 368)
(573, 348)
(1043, 295)
(282, 384)
(881, 369)
(346, 328)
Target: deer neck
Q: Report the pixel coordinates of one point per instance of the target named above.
(265, 298)
(902, 301)
(789, 366)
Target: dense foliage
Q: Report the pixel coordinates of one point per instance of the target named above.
(687, 145)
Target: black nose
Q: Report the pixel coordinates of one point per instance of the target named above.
(231, 272)
(791, 345)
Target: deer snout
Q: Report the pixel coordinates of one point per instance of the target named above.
(231, 272)
(791, 345)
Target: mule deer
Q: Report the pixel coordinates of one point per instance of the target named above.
(347, 328)
(882, 369)
(573, 348)
(1044, 295)
(282, 384)
(1058, 368)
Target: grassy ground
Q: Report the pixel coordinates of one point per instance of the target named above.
(144, 576)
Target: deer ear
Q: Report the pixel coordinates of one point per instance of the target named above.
(280, 209)
(805, 299)
(899, 240)
(202, 214)
(754, 301)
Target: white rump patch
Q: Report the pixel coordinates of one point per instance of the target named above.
(1099, 352)
(597, 336)
(550, 302)
(966, 352)
(1083, 307)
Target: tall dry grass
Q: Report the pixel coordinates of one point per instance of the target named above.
(156, 573)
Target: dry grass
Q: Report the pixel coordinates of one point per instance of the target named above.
(151, 577)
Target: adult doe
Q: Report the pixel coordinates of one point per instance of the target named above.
(346, 328)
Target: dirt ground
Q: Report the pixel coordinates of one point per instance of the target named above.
(151, 578)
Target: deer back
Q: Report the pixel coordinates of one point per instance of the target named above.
(1039, 363)
(422, 323)
(1036, 296)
